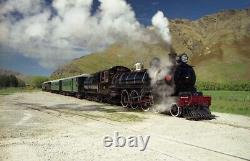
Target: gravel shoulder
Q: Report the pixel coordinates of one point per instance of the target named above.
(45, 126)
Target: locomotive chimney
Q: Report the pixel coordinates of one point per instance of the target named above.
(172, 55)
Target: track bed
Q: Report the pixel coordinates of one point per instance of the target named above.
(45, 126)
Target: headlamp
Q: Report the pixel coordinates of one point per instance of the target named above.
(184, 58)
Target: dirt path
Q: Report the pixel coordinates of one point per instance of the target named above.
(45, 126)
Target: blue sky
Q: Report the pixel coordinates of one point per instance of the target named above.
(144, 9)
(190, 9)
(19, 63)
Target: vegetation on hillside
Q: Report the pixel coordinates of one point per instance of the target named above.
(37, 81)
(10, 78)
(10, 81)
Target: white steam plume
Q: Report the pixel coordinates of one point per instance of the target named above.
(161, 69)
(65, 29)
(161, 24)
(161, 90)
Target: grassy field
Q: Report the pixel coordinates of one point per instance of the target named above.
(11, 90)
(236, 102)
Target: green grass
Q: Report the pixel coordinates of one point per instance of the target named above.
(224, 86)
(235, 102)
(11, 90)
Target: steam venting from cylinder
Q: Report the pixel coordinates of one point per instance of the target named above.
(160, 68)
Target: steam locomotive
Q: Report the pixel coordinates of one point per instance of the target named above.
(138, 89)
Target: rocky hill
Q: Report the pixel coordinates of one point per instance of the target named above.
(218, 45)
(9, 78)
(20, 76)
(9, 72)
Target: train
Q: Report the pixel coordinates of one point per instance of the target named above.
(135, 88)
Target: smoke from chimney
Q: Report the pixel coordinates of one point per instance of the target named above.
(161, 23)
(157, 73)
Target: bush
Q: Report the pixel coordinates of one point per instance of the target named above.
(10, 81)
(21, 83)
(38, 80)
(229, 86)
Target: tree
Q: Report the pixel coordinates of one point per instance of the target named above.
(21, 83)
(38, 80)
(10, 81)
(13, 82)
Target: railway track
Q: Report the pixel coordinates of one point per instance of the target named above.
(153, 135)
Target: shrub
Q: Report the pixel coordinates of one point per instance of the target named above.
(38, 80)
(10, 81)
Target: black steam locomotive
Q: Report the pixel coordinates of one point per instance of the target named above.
(134, 88)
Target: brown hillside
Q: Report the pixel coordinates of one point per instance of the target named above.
(218, 44)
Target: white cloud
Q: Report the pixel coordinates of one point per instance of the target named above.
(70, 31)
(160, 22)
